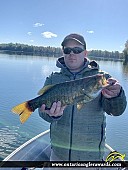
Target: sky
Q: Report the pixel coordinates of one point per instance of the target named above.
(103, 23)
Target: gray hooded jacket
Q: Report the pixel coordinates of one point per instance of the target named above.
(80, 135)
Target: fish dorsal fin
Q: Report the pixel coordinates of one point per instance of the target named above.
(44, 89)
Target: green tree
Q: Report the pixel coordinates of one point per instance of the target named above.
(125, 52)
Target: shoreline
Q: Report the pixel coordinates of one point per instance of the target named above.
(10, 52)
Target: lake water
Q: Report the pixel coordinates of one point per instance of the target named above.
(20, 79)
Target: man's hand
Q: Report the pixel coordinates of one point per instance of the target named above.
(56, 109)
(113, 90)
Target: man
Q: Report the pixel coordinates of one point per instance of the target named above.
(79, 135)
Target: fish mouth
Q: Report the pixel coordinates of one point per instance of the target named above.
(105, 86)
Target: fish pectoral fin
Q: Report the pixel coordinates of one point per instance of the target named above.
(79, 101)
(80, 106)
(44, 89)
(23, 111)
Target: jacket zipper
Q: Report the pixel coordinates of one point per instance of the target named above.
(101, 141)
(71, 126)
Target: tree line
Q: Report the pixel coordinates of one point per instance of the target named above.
(125, 52)
(18, 48)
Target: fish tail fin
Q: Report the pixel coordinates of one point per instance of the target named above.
(23, 110)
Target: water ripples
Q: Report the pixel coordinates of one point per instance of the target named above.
(10, 139)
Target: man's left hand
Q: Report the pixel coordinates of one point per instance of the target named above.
(113, 90)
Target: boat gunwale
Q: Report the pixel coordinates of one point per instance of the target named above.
(108, 147)
(25, 144)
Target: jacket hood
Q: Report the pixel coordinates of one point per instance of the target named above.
(88, 65)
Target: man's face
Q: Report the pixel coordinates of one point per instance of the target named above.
(74, 61)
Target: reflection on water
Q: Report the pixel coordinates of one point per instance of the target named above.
(22, 77)
(125, 69)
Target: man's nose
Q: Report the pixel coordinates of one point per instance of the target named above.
(71, 52)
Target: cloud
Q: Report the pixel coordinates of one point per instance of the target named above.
(48, 34)
(32, 41)
(29, 33)
(90, 32)
(38, 24)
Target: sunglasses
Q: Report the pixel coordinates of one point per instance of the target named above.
(76, 50)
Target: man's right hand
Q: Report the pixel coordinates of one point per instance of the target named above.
(56, 109)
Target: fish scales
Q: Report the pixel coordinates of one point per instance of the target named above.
(72, 91)
(63, 93)
(67, 95)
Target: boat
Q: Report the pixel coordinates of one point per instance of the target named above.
(37, 149)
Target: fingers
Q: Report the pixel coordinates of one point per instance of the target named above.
(111, 81)
(42, 109)
(55, 110)
(62, 108)
(113, 90)
(109, 94)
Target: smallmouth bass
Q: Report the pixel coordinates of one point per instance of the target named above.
(78, 92)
